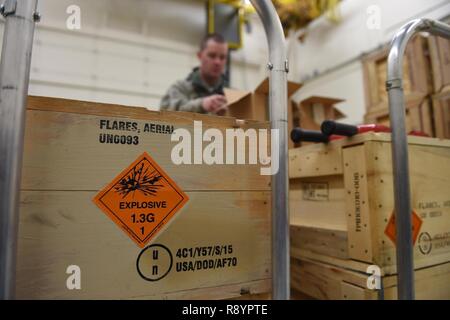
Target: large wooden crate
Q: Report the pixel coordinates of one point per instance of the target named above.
(341, 200)
(65, 166)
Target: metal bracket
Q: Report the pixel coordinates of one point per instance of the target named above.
(9, 7)
(286, 66)
(393, 84)
(36, 17)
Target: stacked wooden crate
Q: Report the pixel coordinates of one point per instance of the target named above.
(440, 61)
(216, 247)
(416, 84)
(426, 83)
(341, 206)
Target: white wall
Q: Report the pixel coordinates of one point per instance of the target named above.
(330, 54)
(249, 64)
(127, 52)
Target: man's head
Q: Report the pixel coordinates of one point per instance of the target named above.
(213, 56)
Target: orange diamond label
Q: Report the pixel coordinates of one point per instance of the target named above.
(416, 224)
(141, 199)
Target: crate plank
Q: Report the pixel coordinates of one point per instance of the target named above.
(360, 221)
(324, 241)
(439, 49)
(310, 201)
(441, 110)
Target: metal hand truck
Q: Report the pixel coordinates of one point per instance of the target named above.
(14, 79)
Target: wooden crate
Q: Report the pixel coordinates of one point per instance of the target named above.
(419, 115)
(327, 281)
(441, 111)
(439, 49)
(341, 199)
(416, 77)
(65, 166)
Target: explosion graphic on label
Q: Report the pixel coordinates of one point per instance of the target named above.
(139, 180)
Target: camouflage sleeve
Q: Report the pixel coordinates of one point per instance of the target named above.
(177, 99)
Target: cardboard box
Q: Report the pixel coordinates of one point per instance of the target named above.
(314, 110)
(254, 105)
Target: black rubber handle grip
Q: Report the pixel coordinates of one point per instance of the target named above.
(330, 127)
(298, 135)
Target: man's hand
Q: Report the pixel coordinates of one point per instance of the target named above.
(215, 104)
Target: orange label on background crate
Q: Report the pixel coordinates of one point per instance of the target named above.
(390, 228)
(141, 199)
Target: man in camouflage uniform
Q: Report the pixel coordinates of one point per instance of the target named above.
(202, 90)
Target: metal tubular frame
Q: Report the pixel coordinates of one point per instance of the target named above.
(14, 78)
(394, 86)
(278, 67)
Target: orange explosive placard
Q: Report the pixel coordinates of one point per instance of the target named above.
(390, 227)
(141, 199)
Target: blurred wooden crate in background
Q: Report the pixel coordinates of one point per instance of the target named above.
(439, 50)
(426, 81)
(419, 115)
(341, 203)
(310, 113)
(416, 74)
(441, 110)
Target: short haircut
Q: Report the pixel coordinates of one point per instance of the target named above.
(216, 37)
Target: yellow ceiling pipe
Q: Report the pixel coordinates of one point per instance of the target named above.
(297, 14)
